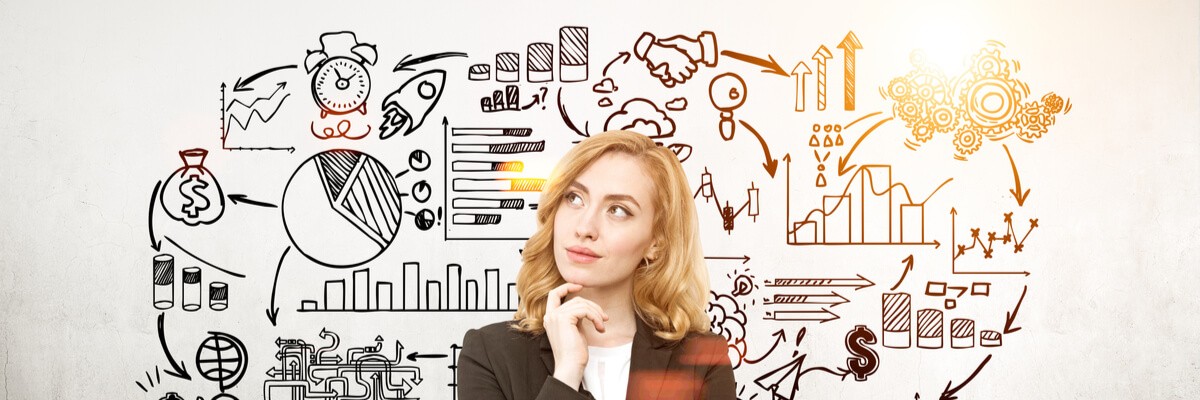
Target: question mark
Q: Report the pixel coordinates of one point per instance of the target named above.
(543, 100)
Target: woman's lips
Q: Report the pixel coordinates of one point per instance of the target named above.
(581, 258)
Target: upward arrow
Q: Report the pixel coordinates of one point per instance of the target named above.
(800, 71)
(821, 56)
(848, 45)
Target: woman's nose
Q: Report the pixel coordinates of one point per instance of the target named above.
(585, 225)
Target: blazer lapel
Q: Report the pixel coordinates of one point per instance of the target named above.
(650, 357)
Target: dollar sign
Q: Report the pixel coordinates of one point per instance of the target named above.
(197, 202)
(865, 361)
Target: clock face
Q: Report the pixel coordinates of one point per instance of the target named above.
(341, 85)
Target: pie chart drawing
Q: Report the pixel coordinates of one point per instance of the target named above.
(341, 208)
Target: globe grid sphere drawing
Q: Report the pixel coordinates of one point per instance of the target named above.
(341, 208)
(221, 358)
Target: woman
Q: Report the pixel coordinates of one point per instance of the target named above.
(613, 289)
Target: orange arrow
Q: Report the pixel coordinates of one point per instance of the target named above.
(1021, 196)
(842, 168)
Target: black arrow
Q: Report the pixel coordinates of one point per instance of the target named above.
(414, 356)
(744, 258)
(241, 198)
(1011, 316)
(154, 242)
(242, 84)
(771, 66)
(405, 63)
(180, 371)
(948, 393)
(771, 163)
(273, 312)
(201, 260)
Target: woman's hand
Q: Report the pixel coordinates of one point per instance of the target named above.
(562, 321)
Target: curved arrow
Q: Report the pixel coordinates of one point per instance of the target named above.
(779, 337)
(241, 85)
(909, 267)
(179, 371)
(241, 198)
(154, 242)
(623, 56)
(405, 63)
(1010, 317)
(770, 66)
(842, 168)
(273, 312)
(1016, 191)
(771, 163)
(949, 394)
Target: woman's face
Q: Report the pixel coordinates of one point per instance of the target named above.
(604, 225)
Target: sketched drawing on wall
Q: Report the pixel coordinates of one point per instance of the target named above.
(308, 372)
(341, 208)
(412, 294)
(488, 192)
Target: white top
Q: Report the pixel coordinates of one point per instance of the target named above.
(606, 375)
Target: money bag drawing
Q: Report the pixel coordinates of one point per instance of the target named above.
(192, 194)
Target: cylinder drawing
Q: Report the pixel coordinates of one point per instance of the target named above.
(218, 296)
(191, 288)
(164, 281)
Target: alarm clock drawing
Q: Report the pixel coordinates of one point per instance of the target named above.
(341, 83)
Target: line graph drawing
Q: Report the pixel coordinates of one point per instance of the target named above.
(866, 212)
(986, 247)
(726, 212)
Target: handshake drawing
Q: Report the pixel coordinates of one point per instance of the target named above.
(675, 59)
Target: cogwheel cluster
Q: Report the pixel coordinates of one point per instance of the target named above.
(985, 101)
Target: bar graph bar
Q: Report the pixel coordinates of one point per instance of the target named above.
(871, 209)
(453, 294)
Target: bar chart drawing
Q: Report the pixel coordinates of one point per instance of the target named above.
(539, 60)
(872, 209)
(488, 193)
(451, 294)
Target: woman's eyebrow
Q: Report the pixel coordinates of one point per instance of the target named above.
(608, 197)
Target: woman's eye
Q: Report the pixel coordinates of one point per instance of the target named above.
(573, 198)
(619, 211)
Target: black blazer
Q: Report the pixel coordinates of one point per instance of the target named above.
(498, 362)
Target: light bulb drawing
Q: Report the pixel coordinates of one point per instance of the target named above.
(727, 92)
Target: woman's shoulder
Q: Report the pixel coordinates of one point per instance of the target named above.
(501, 334)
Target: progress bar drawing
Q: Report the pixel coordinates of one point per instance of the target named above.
(488, 192)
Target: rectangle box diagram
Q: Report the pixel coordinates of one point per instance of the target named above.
(897, 320)
(929, 329)
(383, 296)
(410, 284)
(912, 223)
(498, 185)
(491, 289)
(836, 211)
(362, 290)
(805, 232)
(335, 295)
(500, 148)
(490, 193)
(875, 210)
(573, 54)
(515, 132)
(540, 64)
(454, 288)
(508, 67)
(487, 166)
(962, 333)
(471, 294)
(433, 295)
(513, 300)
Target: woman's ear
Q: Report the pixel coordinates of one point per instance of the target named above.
(653, 252)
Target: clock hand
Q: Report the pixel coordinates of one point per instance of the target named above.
(339, 75)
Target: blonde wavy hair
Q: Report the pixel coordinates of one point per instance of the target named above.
(670, 291)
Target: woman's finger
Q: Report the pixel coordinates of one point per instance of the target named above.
(554, 298)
